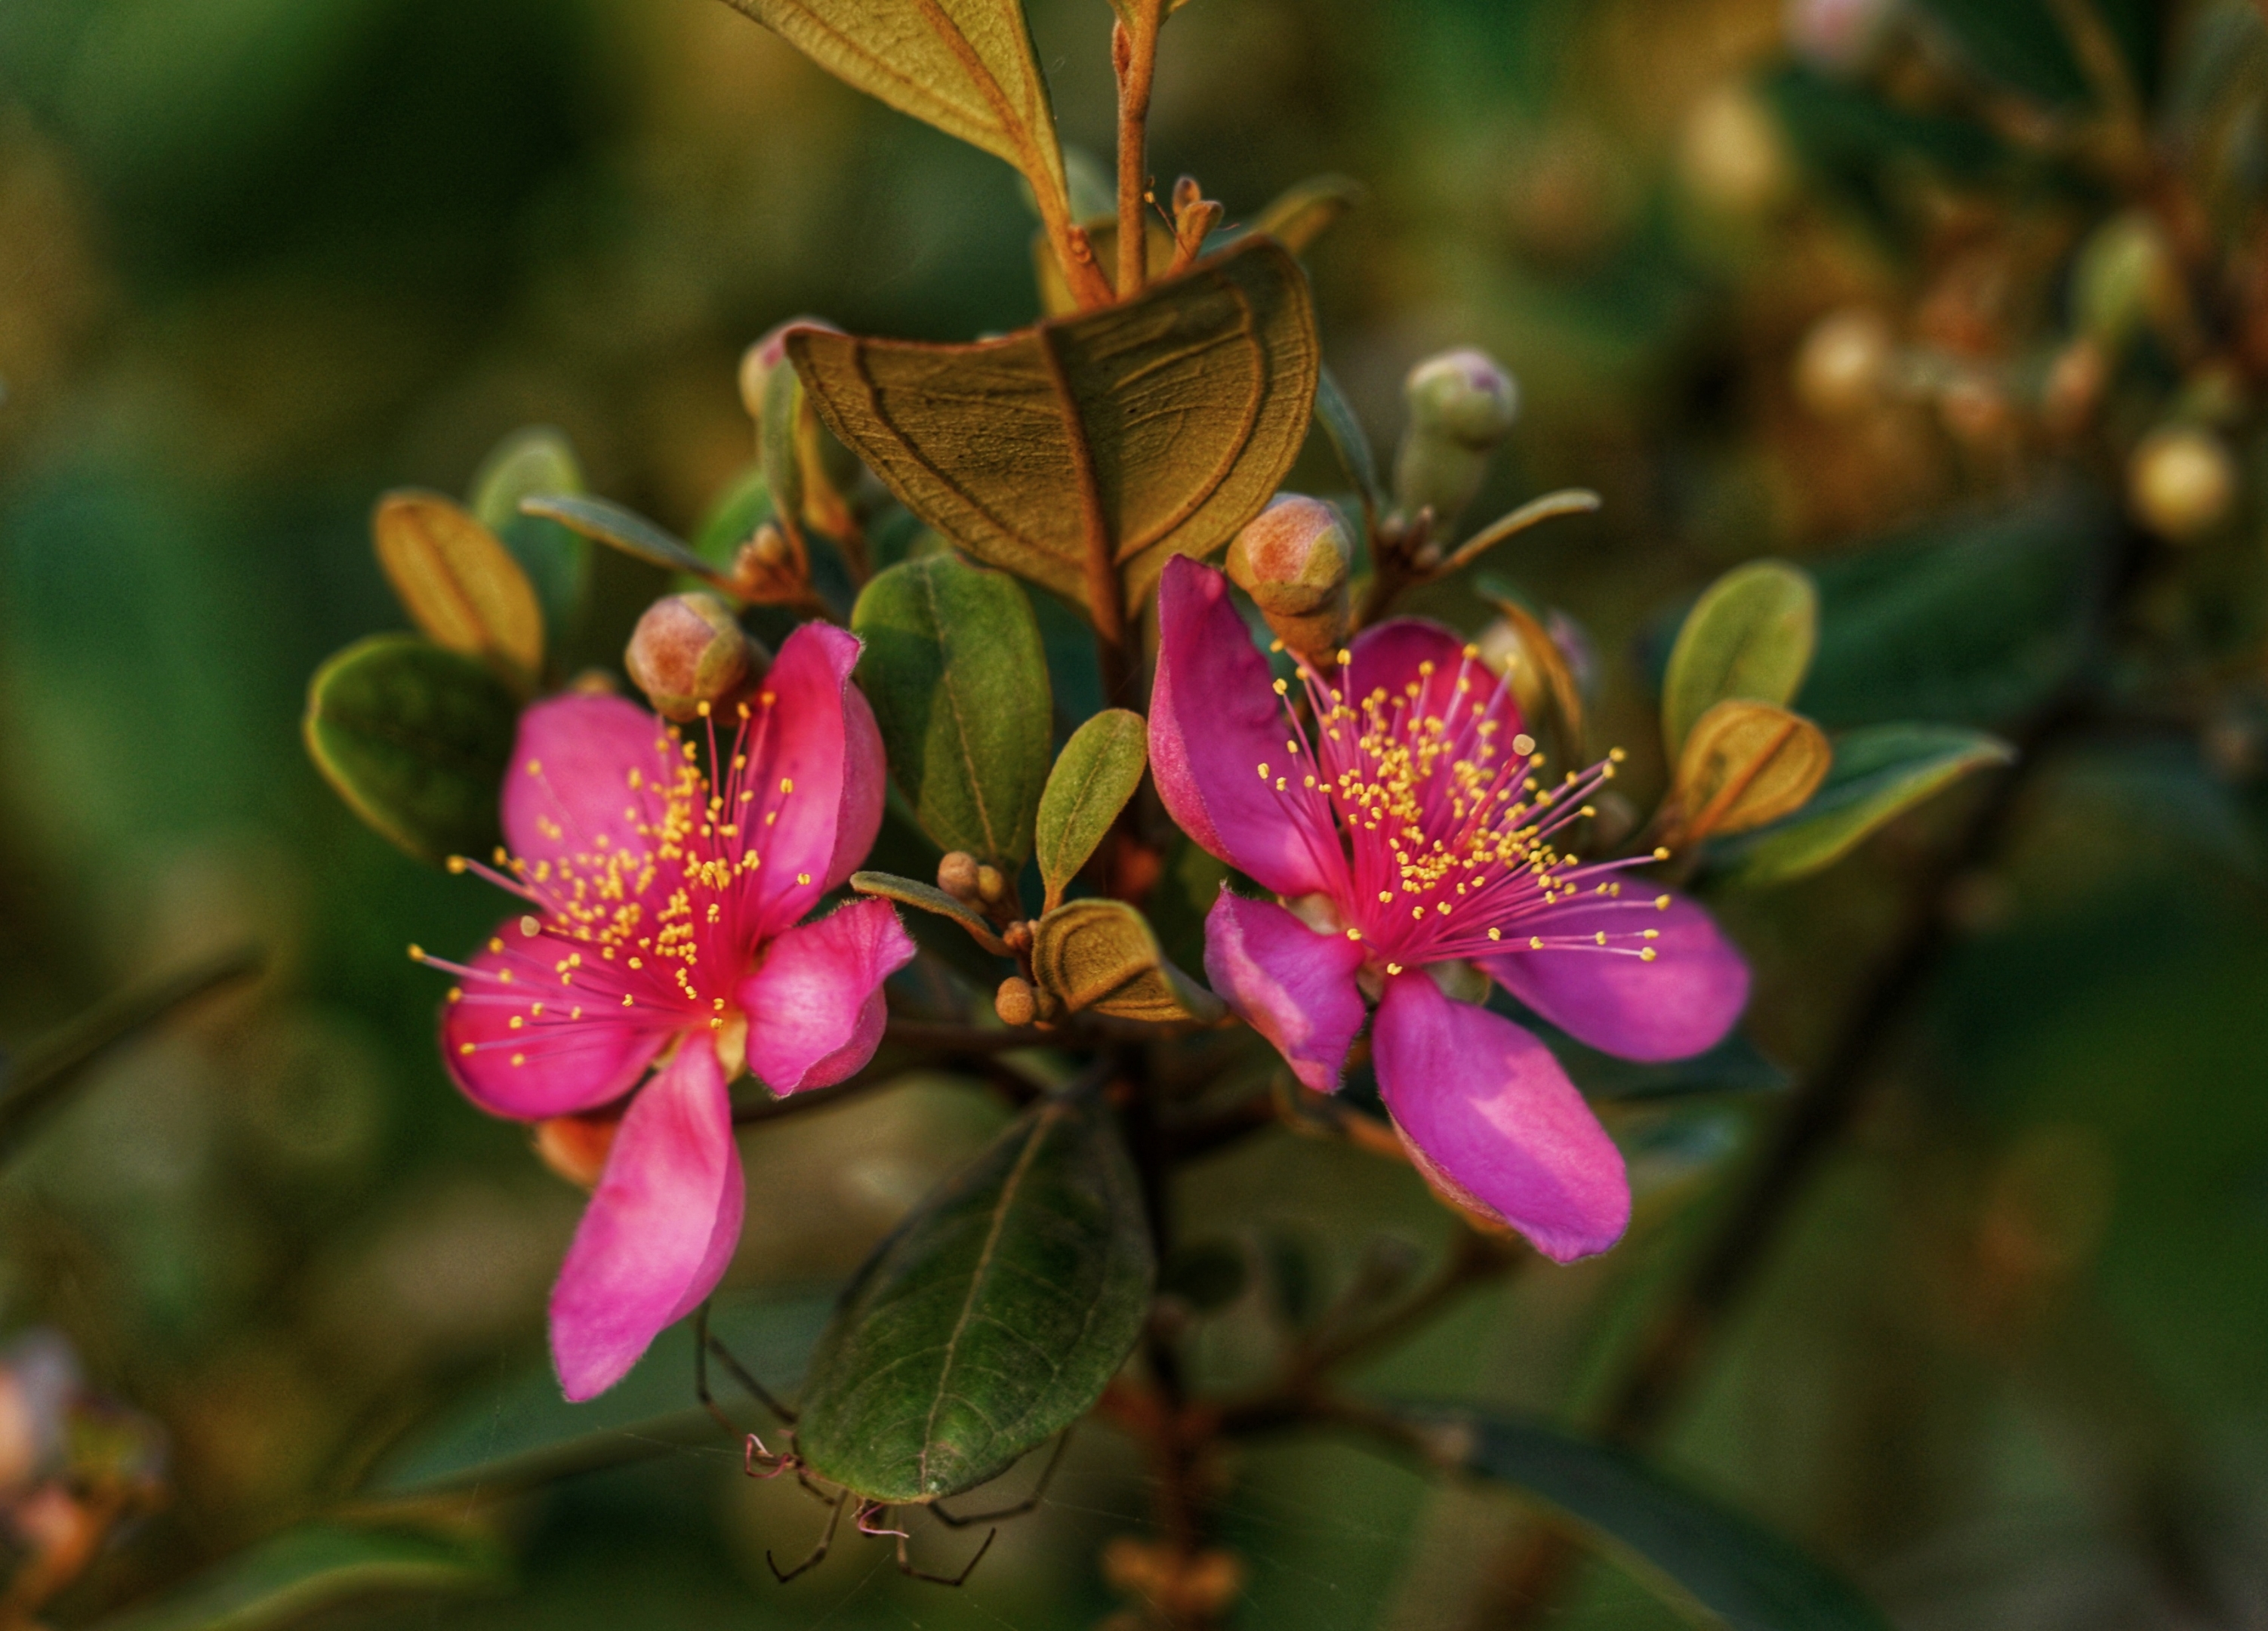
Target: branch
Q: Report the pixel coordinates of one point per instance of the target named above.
(1134, 56)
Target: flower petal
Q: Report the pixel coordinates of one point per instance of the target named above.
(660, 1229)
(815, 1003)
(1214, 720)
(865, 772)
(568, 792)
(1390, 656)
(549, 1063)
(1492, 1118)
(1681, 1003)
(1291, 985)
(806, 754)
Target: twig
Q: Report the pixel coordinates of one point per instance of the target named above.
(1134, 56)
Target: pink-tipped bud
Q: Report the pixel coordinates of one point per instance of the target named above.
(764, 358)
(688, 651)
(1462, 404)
(1293, 559)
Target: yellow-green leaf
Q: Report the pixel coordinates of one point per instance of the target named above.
(458, 583)
(1750, 635)
(1299, 216)
(1746, 763)
(1095, 774)
(1083, 452)
(1100, 955)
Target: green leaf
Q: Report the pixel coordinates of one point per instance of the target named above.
(1083, 452)
(1746, 763)
(288, 1576)
(1095, 774)
(1301, 214)
(1689, 1545)
(518, 1432)
(536, 460)
(416, 739)
(619, 529)
(744, 504)
(1880, 772)
(929, 898)
(959, 680)
(1750, 635)
(2019, 42)
(1349, 441)
(776, 434)
(991, 1320)
(1854, 139)
(1101, 954)
(458, 584)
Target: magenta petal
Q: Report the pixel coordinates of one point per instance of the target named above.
(865, 771)
(815, 1003)
(1214, 721)
(569, 790)
(1293, 985)
(1494, 1120)
(801, 752)
(658, 1232)
(1391, 656)
(1681, 1003)
(551, 1064)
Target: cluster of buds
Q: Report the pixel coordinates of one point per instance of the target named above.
(987, 891)
(690, 656)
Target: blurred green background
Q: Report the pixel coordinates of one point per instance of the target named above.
(261, 259)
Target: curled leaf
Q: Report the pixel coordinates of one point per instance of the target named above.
(1100, 954)
(1095, 774)
(1301, 214)
(928, 897)
(1750, 635)
(1746, 763)
(458, 584)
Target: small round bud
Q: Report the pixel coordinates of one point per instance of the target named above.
(2125, 278)
(1015, 1002)
(1466, 396)
(956, 874)
(1293, 560)
(685, 651)
(991, 887)
(2180, 482)
(1844, 362)
(1840, 36)
(763, 359)
(1731, 154)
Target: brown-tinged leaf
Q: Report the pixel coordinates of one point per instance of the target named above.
(1100, 954)
(1085, 451)
(458, 584)
(1746, 763)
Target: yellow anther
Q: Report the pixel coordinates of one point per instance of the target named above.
(1354, 933)
(1496, 933)
(787, 784)
(1536, 942)
(464, 1047)
(504, 975)
(514, 1023)
(1661, 903)
(1394, 968)
(1345, 657)
(1660, 854)
(457, 863)
(535, 767)
(1653, 935)
(416, 953)
(1281, 687)
(456, 993)
(626, 999)
(530, 927)
(1601, 937)
(703, 709)
(496, 945)
(519, 1059)
(803, 877)
(1647, 954)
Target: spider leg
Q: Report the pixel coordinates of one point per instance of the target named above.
(803, 1481)
(906, 1568)
(701, 1376)
(704, 1344)
(937, 1508)
(819, 1552)
(756, 1455)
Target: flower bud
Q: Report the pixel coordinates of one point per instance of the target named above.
(763, 359)
(956, 874)
(992, 887)
(2180, 482)
(1015, 1002)
(687, 651)
(1293, 560)
(1844, 362)
(1462, 407)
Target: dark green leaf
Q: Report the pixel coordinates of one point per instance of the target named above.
(1348, 439)
(622, 529)
(744, 504)
(536, 460)
(959, 680)
(1749, 636)
(991, 1320)
(416, 739)
(318, 1566)
(1855, 141)
(929, 898)
(1095, 774)
(1207, 1275)
(1879, 772)
(2019, 42)
(1101, 954)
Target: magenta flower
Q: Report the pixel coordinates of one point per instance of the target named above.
(663, 925)
(1404, 829)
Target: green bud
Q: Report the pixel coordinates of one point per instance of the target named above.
(1293, 560)
(763, 359)
(689, 654)
(1462, 407)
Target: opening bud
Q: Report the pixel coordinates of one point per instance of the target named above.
(1293, 559)
(2180, 482)
(956, 874)
(1462, 404)
(687, 651)
(765, 357)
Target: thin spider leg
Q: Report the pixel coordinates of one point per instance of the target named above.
(701, 1370)
(969, 1520)
(819, 1552)
(754, 1389)
(906, 1568)
(803, 1481)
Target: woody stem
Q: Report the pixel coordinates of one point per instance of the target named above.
(1134, 55)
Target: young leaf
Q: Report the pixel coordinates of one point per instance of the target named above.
(1698, 1552)
(1100, 954)
(624, 529)
(1091, 448)
(991, 1320)
(458, 583)
(1746, 763)
(1880, 772)
(288, 1577)
(1750, 635)
(1301, 214)
(1349, 440)
(536, 460)
(416, 739)
(929, 898)
(959, 680)
(1096, 773)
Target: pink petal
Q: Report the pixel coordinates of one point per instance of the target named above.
(1681, 1003)
(659, 1230)
(864, 772)
(1389, 655)
(564, 1064)
(568, 792)
(809, 766)
(1214, 720)
(1291, 985)
(815, 1003)
(1491, 1117)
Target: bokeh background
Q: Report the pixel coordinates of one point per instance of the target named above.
(261, 259)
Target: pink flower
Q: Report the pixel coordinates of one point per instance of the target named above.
(663, 924)
(1406, 829)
